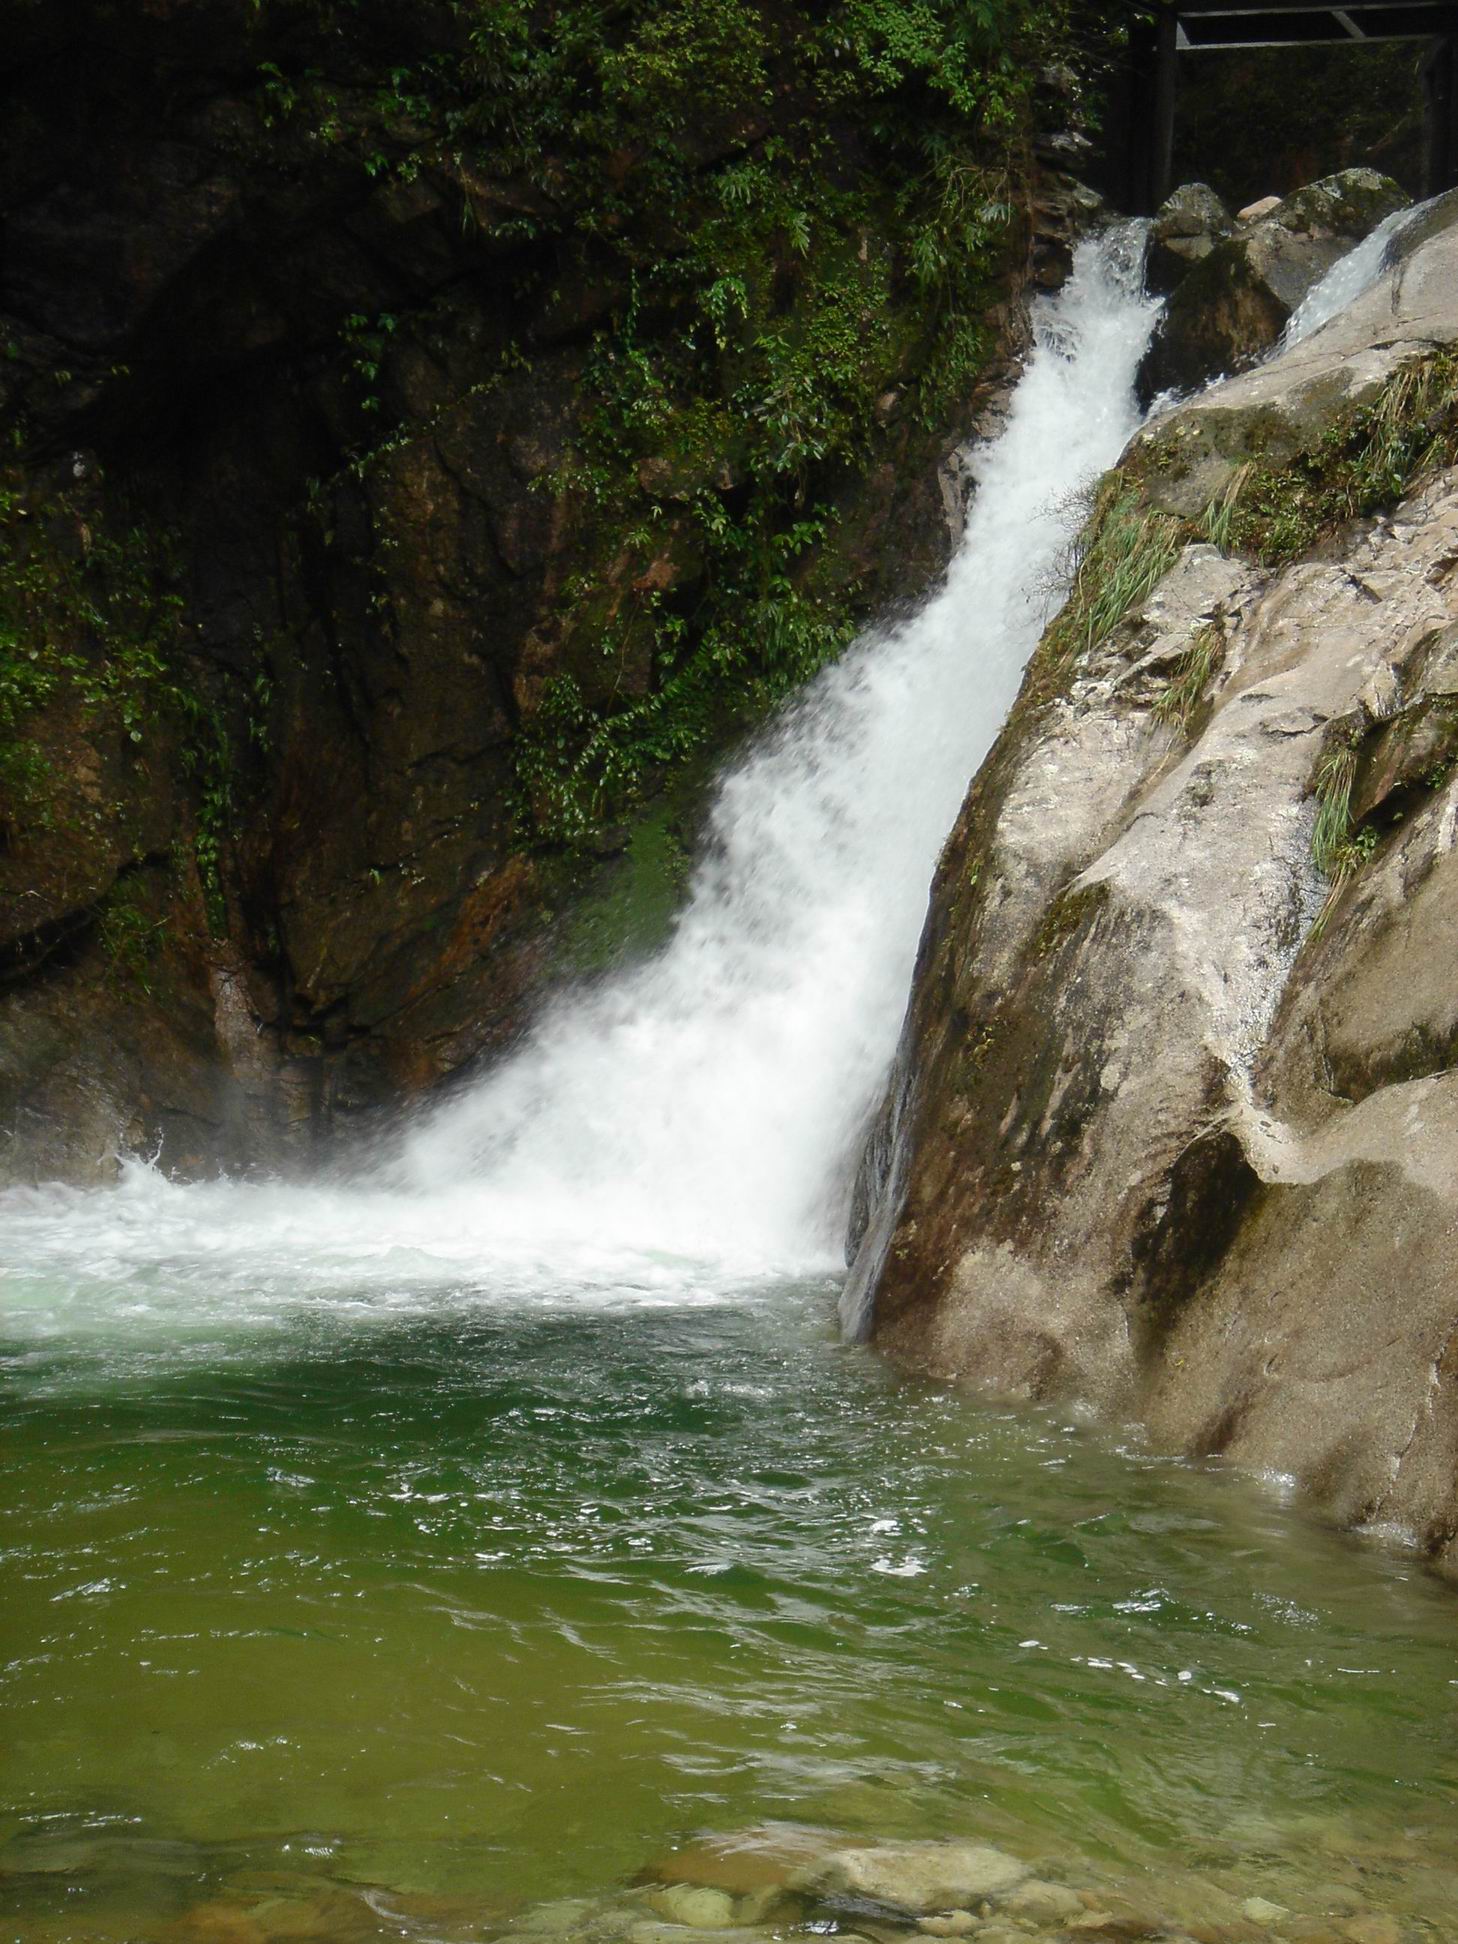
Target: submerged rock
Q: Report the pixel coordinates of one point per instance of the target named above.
(694, 1905)
(917, 1877)
(323, 1916)
(1373, 1929)
(1235, 301)
(671, 1931)
(556, 1918)
(1042, 1902)
(746, 1862)
(1261, 1910)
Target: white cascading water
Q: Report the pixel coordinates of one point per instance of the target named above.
(1347, 279)
(702, 1104)
(695, 1114)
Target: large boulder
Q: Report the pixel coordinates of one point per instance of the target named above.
(1186, 229)
(1189, 457)
(1235, 302)
(1174, 1130)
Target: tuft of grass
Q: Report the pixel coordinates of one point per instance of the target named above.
(1191, 677)
(1411, 428)
(1346, 861)
(1338, 848)
(1369, 461)
(1336, 772)
(1120, 557)
(1218, 524)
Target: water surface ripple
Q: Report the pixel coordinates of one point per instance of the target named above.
(502, 1600)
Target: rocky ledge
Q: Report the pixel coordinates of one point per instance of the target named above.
(1174, 1128)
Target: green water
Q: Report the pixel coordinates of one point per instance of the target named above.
(475, 1606)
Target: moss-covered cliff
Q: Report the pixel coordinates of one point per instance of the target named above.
(431, 432)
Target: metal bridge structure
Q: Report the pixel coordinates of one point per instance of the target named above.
(1166, 33)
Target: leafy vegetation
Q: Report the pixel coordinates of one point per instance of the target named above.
(81, 610)
(771, 235)
(800, 215)
(1367, 461)
(132, 933)
(90, 625)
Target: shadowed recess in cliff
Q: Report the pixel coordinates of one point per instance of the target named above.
(706, 1105)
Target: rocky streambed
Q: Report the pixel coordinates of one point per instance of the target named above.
(786, 1882)
(779, 1883)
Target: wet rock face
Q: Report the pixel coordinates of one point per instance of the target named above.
(1178, 1096)
(1235, 284)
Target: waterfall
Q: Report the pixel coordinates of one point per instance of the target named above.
(1350, 276)
(702, 1107)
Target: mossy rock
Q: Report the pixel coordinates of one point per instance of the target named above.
(1236, 301)
(1348, 205)
(1187, 227)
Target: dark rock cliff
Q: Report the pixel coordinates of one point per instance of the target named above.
(431, 432)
